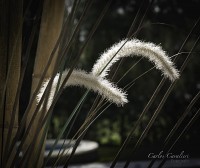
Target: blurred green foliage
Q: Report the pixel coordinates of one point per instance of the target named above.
(113, 126)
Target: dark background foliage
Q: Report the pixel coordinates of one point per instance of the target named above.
(167, 22)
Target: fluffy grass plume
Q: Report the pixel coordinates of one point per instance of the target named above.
(134, 47)
(83, 79)
(96, 81)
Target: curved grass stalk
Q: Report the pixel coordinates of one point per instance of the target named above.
(72, 67)
(134, 47)
(76, 76)
(91, 119)
(157, 111)
(174, 73)
(83, 79)
(89, 37)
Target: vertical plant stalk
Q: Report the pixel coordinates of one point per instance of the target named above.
(10, 56)
(38, 87)
(51, 24)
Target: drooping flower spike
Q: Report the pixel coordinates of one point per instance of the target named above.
(83, 79)
(96, 81)
(134, 47)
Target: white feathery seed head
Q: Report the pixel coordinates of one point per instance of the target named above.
(134, 47)
(83, 79)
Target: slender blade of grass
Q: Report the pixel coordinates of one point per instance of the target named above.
(42, 78)
(10, 53)
(68, 21)
(50, 82)
(91, 33)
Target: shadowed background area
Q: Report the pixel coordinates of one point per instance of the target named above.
(167, 22)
